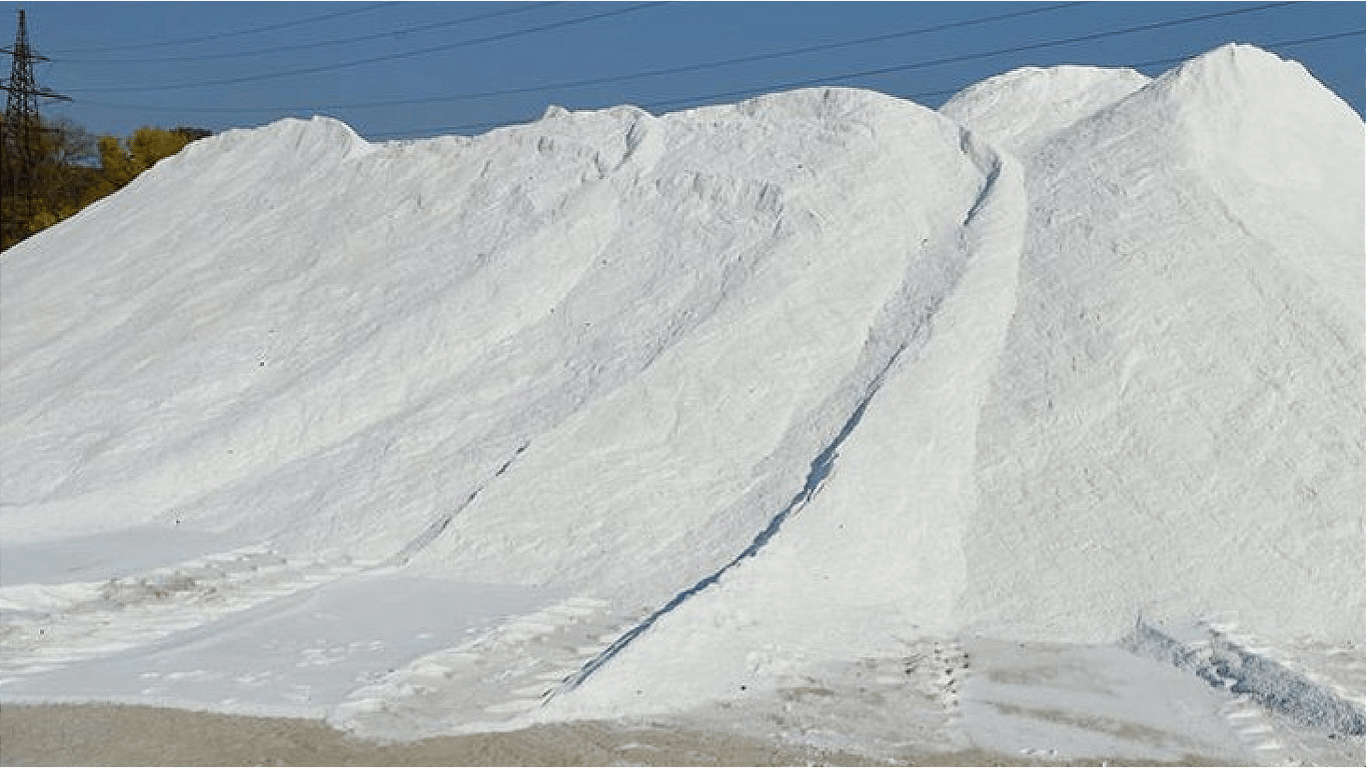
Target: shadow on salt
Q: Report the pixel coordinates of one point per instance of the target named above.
(105, 556)
(297, 655)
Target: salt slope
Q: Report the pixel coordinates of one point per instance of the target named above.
(1176, 426)
(868, 556)
(598, 353)
(1139, 402)
(664, 479)
(876, 559)
(610, 344)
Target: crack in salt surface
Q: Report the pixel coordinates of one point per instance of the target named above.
(821, 467)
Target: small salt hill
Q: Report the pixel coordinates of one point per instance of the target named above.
(1175, 425)
(755, 401)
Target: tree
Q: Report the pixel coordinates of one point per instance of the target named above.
(55, 178)
(193, 134)
(122, 162)
(68, 170)
(66, 178)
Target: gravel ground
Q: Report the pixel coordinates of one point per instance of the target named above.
(127, 735)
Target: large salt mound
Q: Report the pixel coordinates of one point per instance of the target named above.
(769, 385)
(1132, 403)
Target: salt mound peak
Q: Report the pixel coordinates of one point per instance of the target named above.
(1021, 108)
(1284, 152)
(1234, 88)
(307, 139)
(1237, 72)
(318, 130)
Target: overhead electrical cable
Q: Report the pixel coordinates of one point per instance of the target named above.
(698, 67)
(1269, 46)
(619, 11)
(919, 94)
(236, 33)
(432, 130)
(757, 89)
(823, 80)
(769, 87)
(682, 69)
(519, 8)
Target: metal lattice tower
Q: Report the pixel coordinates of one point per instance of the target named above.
(22, 127)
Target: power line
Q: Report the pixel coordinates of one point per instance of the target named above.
(974, 56)
(687, 68)
(682, 69)
(519, 8)
(1282, 44)
(376, 59)
(772, 86)
(236, 33)
(775, 55)
(435, 130)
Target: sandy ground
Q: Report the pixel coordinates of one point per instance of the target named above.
(125, 735)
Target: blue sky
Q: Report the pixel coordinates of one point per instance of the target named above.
(410, 69)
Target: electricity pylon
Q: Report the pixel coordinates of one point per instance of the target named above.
(19, 137)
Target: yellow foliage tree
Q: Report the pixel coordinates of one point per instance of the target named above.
(47, 168)
(64, 180)
(123, 161)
